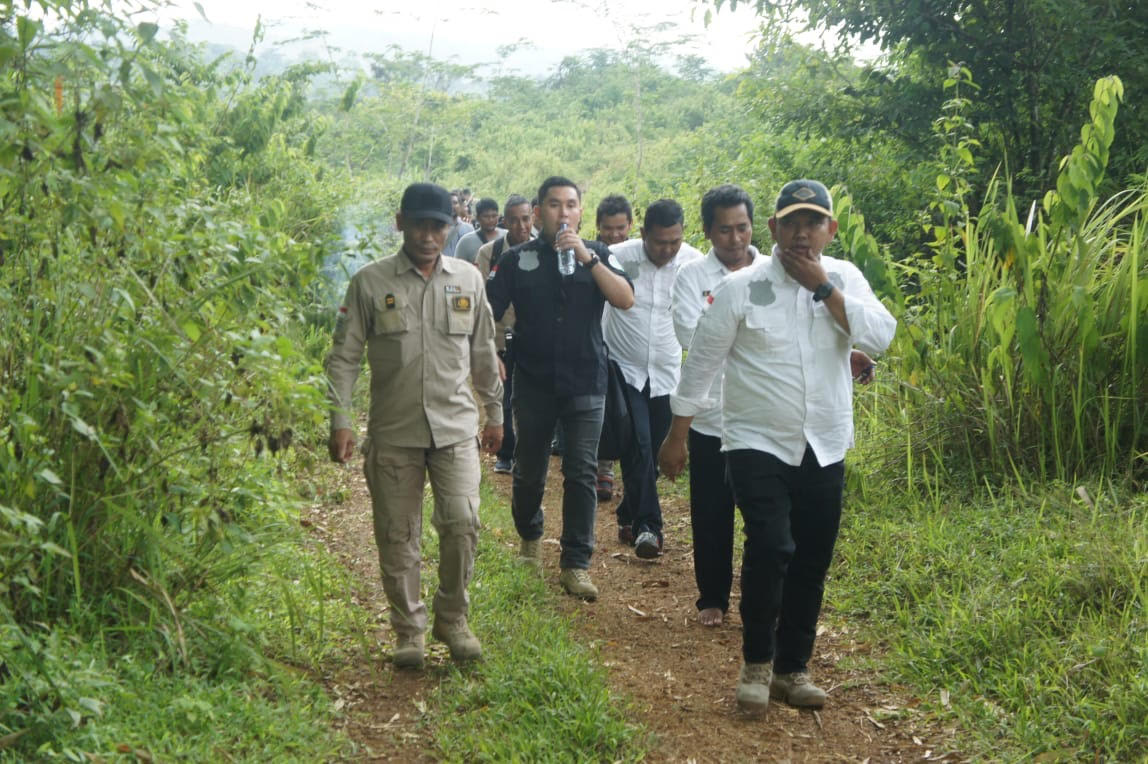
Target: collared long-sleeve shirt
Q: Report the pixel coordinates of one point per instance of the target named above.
(468, 246)
(642, 339)
(693, 285)
(786, 360)
(558, 320)
(424, 337)
(484, 262)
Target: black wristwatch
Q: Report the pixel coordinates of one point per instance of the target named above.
(822, 291)
(594, 260)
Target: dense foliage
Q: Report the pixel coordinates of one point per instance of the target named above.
(1034, 60)
(162, 224)
(165, 217)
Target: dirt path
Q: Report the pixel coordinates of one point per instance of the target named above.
(680, 675)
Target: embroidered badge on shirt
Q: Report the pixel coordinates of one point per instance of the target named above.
(461, 303)
(705, 293)
(389, 301)
(453, 289)
(761, 292)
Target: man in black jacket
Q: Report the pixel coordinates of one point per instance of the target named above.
(560, 371)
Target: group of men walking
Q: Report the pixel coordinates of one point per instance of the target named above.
(761, 407)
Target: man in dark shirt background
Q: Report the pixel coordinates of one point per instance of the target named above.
(560, 372)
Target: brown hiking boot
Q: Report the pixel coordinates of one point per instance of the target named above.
(530, 552)
(797, 689)
(577, 582)
(408, 652)
(753, 687)
(464, 646)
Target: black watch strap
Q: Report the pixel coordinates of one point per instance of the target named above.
(594, 260)
(822, 291)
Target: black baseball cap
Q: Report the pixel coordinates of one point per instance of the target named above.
(803, 195)
(422, 201)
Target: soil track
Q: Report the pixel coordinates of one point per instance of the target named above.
(679, 674)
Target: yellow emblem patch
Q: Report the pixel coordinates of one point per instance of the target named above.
(389, 301)
(461, 303)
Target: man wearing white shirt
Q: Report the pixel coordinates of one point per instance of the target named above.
(727, 220)
(783, 330)
(643, 343)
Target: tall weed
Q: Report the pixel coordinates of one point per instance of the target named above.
(152, 386)
(1022, 349)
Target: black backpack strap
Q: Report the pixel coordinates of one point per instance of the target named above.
(496, 253)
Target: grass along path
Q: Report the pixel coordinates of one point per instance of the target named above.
(629, 677)
(538, 694)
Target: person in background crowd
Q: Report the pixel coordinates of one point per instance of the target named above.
(559, 372)
(643, 343)
(518, 214)
(782, 331)
(459, 226)
(428, 332)
(614, 219)
(486, 214)
(466, 204)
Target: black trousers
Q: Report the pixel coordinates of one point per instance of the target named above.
(639, 507)
(506, 452)
(711, 519)
(792, 515)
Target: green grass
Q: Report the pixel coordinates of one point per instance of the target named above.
(539, 694)
(1029, 608)
(233, 683)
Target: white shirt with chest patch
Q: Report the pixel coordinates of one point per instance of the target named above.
(642, 339)
(786, 360)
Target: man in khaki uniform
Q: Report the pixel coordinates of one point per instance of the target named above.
(427, 328)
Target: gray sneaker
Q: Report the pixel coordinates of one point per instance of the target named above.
(797, 689)
(647, 546)
(577, 582)
(530, 552)
(464, 646)
(408, 652)
(504, 466)
(753, 687)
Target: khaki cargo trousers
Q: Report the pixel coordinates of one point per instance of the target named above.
(396, 477)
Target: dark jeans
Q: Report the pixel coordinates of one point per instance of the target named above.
(791, 519)
(535, 412)
(711, 518)
(506, 452)
(639, 507)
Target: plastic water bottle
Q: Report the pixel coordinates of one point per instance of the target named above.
(565, 257)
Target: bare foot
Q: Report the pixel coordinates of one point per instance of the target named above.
(711, 616)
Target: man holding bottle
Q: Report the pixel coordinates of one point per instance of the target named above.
(560, 371)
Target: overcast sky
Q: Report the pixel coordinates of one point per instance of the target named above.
(468, 31)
